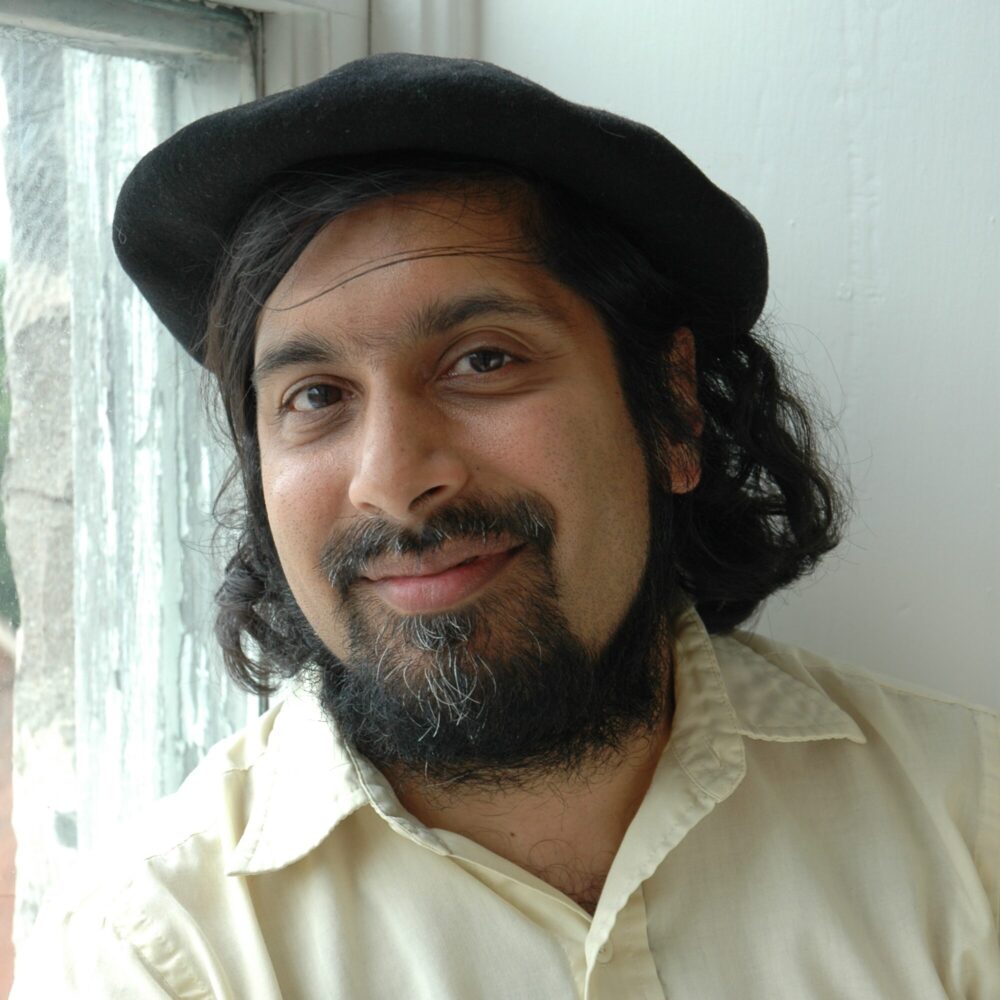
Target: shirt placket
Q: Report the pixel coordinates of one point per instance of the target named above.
(619, 960)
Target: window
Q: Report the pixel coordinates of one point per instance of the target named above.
(110, 463)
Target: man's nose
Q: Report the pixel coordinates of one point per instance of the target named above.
(407, 463)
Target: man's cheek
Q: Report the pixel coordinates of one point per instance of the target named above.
(298, 555)
(296, 505)
(321, 606)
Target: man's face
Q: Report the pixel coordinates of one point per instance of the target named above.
(448, 401)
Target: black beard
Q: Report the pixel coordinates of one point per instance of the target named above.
(501, 692)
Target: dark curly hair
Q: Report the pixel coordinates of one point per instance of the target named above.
(766, 508)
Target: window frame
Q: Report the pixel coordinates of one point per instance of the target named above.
(211, 44)
(146, 28)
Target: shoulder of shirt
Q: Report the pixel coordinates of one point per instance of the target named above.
(125, 897)
(920, 748)
(200, 821)
(803, 663)
(220, 790)
(885, 708)
(259, 800)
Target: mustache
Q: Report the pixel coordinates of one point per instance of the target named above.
(527, 519)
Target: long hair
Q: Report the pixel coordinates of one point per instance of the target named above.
(766, 508)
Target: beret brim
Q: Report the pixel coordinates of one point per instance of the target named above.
(183, 200)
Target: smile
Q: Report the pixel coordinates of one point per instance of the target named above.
(431, 592)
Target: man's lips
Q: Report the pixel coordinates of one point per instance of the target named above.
(440, 579)
(437, 561)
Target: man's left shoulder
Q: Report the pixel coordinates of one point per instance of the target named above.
(926, 727)
(922, 767)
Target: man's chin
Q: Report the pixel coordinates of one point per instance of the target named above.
(499, 707)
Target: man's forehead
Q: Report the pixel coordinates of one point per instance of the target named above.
(382, 231)
(397, 271)
(290, 346)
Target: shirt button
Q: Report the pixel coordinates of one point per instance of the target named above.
(605, 953)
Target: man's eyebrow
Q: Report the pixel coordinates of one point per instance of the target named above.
(431, 320)
(302, 349)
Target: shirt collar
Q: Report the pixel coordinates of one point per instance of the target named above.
(773, 694)
(307, 780)
(302, 785)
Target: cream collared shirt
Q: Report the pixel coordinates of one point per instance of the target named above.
(809, 833)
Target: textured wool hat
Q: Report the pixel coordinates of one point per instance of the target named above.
(183, 200)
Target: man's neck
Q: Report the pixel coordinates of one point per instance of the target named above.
(564, 830)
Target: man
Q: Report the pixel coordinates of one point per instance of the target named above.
(514, 462)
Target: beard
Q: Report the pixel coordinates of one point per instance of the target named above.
(499, 692)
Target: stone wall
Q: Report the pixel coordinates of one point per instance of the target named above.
(38, 477)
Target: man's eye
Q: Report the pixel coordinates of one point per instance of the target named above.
(483, 361)
(314, 397)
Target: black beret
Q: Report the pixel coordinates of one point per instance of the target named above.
(184, 199)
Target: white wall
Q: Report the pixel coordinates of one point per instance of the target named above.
(866, 138)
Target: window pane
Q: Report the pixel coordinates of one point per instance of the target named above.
(111, 464)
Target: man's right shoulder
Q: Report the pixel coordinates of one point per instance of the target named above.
(216, 799)
(123, 924)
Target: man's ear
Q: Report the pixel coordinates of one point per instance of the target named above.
(685, 459)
